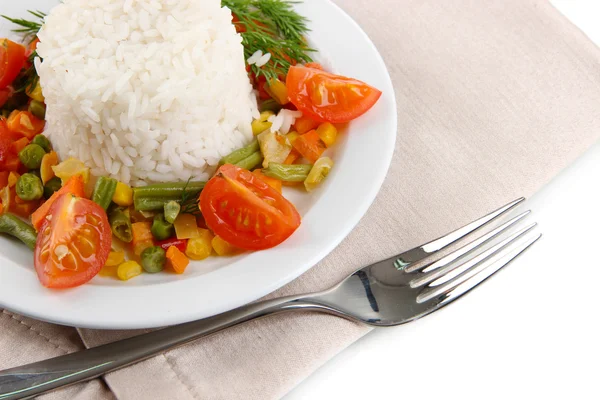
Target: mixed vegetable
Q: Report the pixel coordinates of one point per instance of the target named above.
(80, 226)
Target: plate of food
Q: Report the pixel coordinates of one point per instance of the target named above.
(165, 161)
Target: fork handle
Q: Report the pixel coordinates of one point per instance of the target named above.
(33, 379)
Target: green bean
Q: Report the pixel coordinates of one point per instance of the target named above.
(15, 227)
(288, 173)
(172, 210)
(29, 187)
(241, 154)
(152, 203)
(251, 162)
(104, 191)
(120, 224)
(38, 109)
(270, 105)
(31, 156)
(168, 190)
(43, 142)
(153, 259)
(52, 186)
(161, 229)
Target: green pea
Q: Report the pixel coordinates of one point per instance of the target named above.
(43, 142)
(31, 156)
(153, 259)
(161, 229)
(52, 186)
(29, 187)
(172, 209)
(38, 109)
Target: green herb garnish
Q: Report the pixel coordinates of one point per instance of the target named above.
(271, 26)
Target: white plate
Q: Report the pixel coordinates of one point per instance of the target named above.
(216, 285)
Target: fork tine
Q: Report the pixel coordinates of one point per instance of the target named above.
(448, 263)
(470, 284)
(417, 254)
(474, 267)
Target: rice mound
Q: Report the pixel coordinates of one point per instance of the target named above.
(145, 91)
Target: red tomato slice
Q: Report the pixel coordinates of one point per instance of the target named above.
(326, 97)
(12, 59)
(74, 186)
(245, 211)
(73, 245)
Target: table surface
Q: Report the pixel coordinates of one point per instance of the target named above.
(531, 332)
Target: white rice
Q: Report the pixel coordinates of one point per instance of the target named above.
(283, 121)
(145, 91)
(263, 60)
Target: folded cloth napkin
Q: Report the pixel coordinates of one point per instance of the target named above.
(495, 97)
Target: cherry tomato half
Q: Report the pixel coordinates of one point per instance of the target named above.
(12, 59)
(326, 97)
(245, 211)
(73, 243)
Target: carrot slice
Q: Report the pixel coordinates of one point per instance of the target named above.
(177, 260)
(310, 146)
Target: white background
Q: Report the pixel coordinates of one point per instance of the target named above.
(533, 331)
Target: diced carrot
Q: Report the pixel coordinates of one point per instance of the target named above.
(141, 232)
(48, 161)
(292, 157)
(304, 124)
(12, 164)
(3, 179)
(13, 204)
(274, 183)
(20, 144)
(176, 260)
(74, 186)
(310, 146)
(25, 123)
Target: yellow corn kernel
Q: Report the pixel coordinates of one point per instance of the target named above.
(186, 227)
(224, 248)
(48, 161)
(36, 92)
(265, 115)
(278, 91)
(327, 133)
(71, 167)
(115, 258)
(260, 126)
(128, 270)
(13, 177)
(123, 195)
(109, 271)
(201, 247)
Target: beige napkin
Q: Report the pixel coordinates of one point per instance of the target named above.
(495, 97)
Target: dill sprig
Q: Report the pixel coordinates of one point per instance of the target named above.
(189, 201)
(272, 26)
(28, 28)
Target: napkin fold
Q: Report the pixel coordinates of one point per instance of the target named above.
(495, 97)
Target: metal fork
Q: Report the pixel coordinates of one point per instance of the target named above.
(390, 292)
